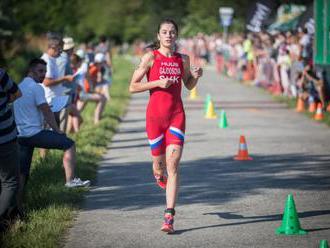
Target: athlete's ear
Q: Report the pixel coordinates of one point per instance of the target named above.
(158, 37)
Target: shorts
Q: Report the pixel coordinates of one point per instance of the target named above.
(162, 132)
(85, 96)
(44, 139)
(103, 83)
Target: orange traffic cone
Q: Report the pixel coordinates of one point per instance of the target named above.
(242, 150)
(312, 107)
(319, 113)
(300, 105)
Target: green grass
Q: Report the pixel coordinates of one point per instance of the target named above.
(292, 102)
(50, 206)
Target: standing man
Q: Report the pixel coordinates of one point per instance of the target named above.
(53, 82)
(9, 92)
(70, 88)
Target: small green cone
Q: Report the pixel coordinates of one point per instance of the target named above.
(324, 244)
(206, 103)
(290, 223)
(223, 123)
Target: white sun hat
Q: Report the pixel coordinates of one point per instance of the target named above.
(68, 43)
(99, 58)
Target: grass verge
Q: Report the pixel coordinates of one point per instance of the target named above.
(50, 206)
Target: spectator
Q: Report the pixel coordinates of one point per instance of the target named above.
(85, 90)
(53, 82)
(284, 63)
(306, 43)
(64, 68)
(98, 74)
(104, 48)
(313, 83)
(30, 110)
(90, 53)
(9, 92)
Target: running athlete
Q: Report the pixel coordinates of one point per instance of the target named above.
(165, 118)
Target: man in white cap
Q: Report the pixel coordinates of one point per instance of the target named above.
(63, 61)
(70, 87)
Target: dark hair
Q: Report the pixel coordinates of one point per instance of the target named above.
(54, 41)
(102, 38)
(156, 44)
(75, 59)
(168, 21)
(36, 61)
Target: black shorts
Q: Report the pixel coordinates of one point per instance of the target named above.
(44, 139)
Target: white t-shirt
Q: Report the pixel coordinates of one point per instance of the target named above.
(28, 117)
(80, 75)
(305, 40)
(61, 63)
(52, 72)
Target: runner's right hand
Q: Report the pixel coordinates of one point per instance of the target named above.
(165, 83)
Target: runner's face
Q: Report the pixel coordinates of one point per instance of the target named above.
(167, 35)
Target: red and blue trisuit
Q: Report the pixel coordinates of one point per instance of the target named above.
(165, 117)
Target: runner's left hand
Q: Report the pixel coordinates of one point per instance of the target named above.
(196, 72)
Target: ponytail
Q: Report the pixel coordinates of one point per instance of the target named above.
(155, 45)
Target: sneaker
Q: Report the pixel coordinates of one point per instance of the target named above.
(77, 182)
(161, 180)
(168, 223)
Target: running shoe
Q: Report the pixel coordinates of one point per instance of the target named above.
(77, 182)
(168, 223)
(161, 180)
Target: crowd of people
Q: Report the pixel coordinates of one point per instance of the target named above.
(43, 108)
(281, 62)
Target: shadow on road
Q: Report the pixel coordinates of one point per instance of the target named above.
(254, 219)
(214, 180)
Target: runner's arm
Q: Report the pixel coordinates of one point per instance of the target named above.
(190, 78)
(136, 85)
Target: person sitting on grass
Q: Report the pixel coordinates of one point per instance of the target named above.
(311, 84)
(30, 110)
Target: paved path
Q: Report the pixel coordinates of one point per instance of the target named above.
(222, 202)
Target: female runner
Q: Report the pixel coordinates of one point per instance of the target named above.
(165, 118)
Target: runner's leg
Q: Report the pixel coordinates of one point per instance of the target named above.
(173, 156)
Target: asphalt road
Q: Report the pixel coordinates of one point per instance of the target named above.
(222, 202)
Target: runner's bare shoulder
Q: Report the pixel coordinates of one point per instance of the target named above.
(147, 61)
